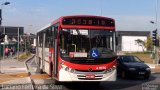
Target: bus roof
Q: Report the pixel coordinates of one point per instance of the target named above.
(44, 27)
(62, 17)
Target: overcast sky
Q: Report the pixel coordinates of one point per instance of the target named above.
(33, 14)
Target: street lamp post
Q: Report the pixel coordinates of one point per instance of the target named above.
(5, 3)
(156, 48)
(18, 45)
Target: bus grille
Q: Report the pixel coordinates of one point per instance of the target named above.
(83, 77)
(90, 71)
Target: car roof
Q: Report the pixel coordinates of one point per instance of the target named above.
(125, 55)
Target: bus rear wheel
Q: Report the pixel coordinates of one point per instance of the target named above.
(51, 70)
(41, 66)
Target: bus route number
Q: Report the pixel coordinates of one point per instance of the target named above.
(101, 67)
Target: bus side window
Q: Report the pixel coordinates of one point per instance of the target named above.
(55, 32)
(40, 38)
(51, 37)
(47, 38)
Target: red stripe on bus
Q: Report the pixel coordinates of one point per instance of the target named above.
(93, 67)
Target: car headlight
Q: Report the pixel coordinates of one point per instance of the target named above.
(148, 69)
(132, 69)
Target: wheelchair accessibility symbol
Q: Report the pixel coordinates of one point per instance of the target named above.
(94, 53)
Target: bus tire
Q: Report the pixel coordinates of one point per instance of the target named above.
(41, 66)
(51, 70)
(38, 62)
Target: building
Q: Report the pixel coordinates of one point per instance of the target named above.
(28, 37)
(11, 32)
(127, 40)
(11, 37)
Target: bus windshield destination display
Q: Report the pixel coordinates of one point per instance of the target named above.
(88, 21)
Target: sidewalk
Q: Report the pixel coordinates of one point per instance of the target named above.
(13, 71)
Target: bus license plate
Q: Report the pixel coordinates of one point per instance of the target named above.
(90, 76)
(141, 73)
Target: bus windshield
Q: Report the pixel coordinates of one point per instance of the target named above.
(89, 43)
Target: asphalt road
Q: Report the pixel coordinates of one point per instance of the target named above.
(120, 84)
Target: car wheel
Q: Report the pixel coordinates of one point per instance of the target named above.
(123, 74)
(146, 77)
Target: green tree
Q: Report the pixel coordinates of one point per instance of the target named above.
(148, 43)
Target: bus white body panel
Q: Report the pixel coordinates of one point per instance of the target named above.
(66, 76)
(46, 59)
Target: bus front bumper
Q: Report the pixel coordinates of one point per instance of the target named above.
(66, 76)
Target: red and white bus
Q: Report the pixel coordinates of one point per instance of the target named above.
(78, 48)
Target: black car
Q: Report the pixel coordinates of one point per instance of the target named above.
(132, 66)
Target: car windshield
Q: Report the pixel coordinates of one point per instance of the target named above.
(86, 43)
(128, 59)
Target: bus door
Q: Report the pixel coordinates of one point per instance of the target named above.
(37, 51)
(55, 60)
(43, 52)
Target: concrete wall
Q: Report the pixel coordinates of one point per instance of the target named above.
(129, 43)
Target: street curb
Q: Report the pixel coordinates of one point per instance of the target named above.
(29, 74)
(25, 63)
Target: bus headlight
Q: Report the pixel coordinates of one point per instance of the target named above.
(67, 68)
(72, 70)
(110, 69)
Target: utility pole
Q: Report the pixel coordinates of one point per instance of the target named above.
(157, 41)
(1, 40)
(155, 36)
(4, 31)
(18, 46)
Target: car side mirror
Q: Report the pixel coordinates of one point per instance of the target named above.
(142, 61)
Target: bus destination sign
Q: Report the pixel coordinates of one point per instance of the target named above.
(88, 21)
